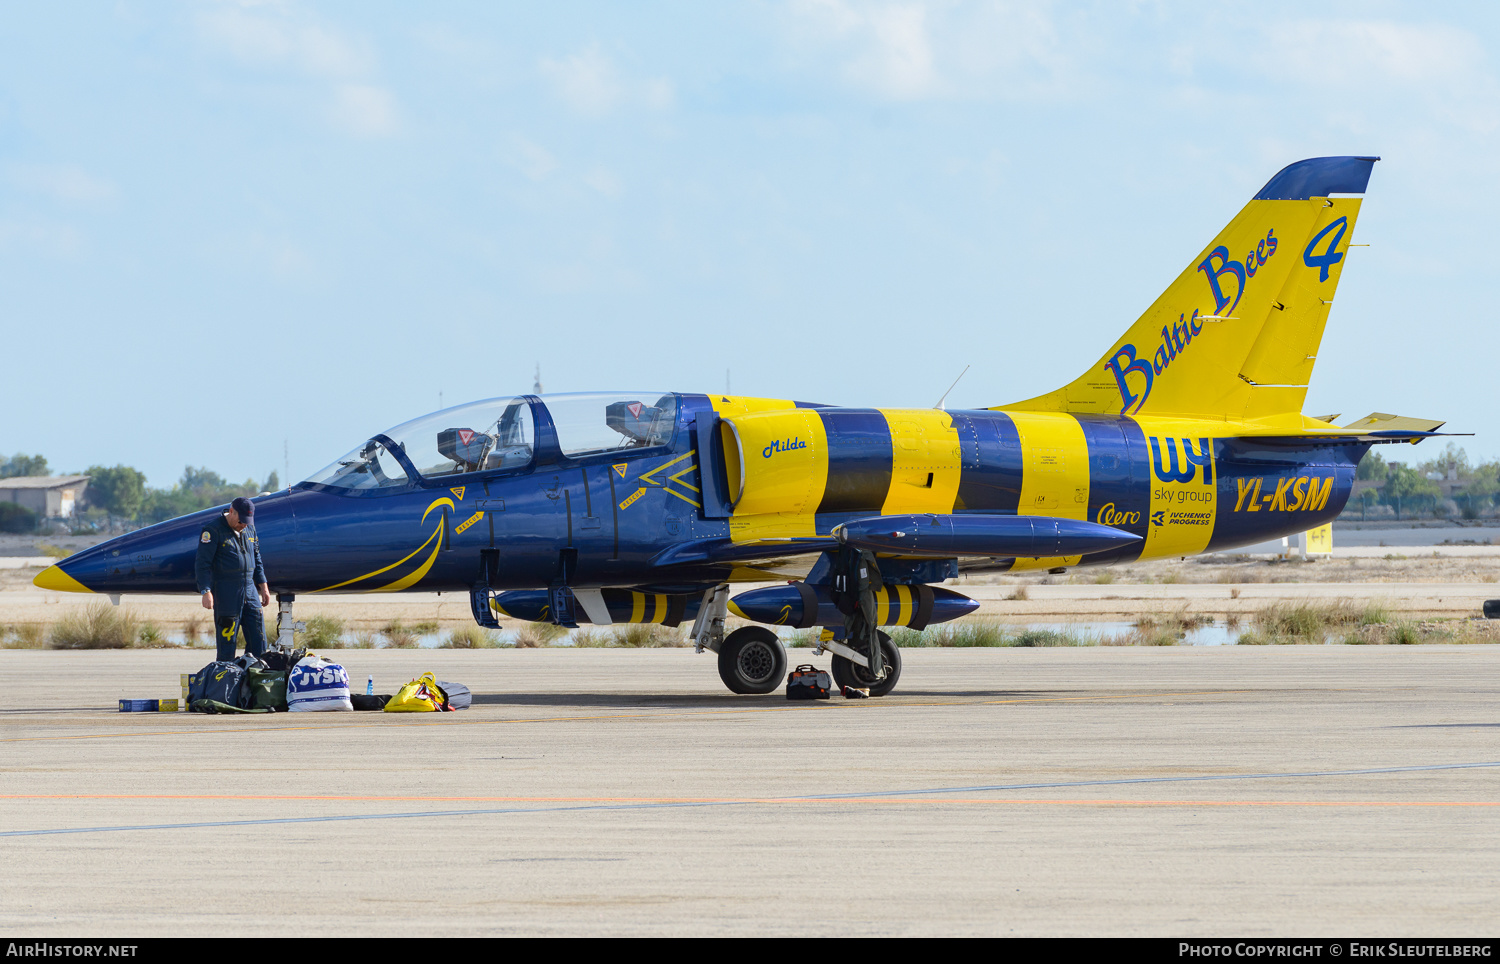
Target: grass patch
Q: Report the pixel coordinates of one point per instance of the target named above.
(808, 638)
(23, 636)
(398, 635)
(1105, 578)
(1301, 623)
(536, 635)
(100, 626)
(52, 550)
(471, 637)
(589, 639)
(322, 632)
(971, 634)
(648, 636)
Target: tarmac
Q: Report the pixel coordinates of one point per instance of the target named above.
(1098, 791)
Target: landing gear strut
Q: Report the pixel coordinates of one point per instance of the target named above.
(846, 672)
(752, 660)
(286, 626)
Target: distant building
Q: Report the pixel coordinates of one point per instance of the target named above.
(49, 496)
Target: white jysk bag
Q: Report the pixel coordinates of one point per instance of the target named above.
(316, 685)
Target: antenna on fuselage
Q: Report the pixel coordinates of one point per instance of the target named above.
(939, 405)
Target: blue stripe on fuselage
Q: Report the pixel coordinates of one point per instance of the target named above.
(859, 459)
(990, 448)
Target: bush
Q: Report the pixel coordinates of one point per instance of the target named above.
(535, 635)
(100, 626)
(22, 636)
(471, 637)
(17, 519)
(322, 632)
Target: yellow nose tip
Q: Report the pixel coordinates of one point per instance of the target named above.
(55, 579)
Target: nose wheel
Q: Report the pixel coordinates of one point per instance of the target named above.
(752, 660)
(849, 673)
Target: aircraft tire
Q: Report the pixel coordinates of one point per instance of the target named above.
(752, 660)
(846, 673)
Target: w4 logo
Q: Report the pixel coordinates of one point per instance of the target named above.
(1168, 470)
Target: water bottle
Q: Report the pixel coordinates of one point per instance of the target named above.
(370, 686)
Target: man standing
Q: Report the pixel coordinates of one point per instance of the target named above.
(231, 576)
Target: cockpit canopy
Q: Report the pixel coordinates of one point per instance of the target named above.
(500, 434)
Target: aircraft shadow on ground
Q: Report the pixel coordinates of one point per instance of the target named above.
(730, 701)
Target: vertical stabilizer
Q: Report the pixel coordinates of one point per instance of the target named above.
(1236, 335)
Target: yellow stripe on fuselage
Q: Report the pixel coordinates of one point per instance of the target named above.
(1054, 465)
(1183, 512)
(790, 480)
(925, 461)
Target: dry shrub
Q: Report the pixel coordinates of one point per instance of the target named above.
(23, 636)
(322, 632)
(536, 635)
(1288, 623)
(100, 626)
(401, 637)
(471, 637)
(1019, 595)
(648, 635)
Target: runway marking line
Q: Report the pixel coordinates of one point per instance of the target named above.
(907, 796)
(756, 800)
(423, 720)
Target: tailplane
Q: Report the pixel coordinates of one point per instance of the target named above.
(1236, 335)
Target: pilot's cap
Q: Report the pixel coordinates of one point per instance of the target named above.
(244, 508)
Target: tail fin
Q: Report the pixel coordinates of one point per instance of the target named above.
(1236, 335)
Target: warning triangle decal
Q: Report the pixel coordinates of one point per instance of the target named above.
(459, 492)
(620, 469)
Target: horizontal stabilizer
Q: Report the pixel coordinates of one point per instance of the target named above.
(1027, 536)
(1380, 423)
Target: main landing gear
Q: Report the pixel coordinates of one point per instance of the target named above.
(847, 672)
(753, 661)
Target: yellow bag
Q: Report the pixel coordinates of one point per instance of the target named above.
(421, 695)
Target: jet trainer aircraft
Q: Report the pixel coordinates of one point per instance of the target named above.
(1185, 437)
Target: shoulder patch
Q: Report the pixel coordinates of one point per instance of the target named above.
(206, 537)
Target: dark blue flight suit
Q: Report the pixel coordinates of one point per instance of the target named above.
(229, 564)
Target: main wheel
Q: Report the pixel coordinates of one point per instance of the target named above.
(846, 673)
(752, 660)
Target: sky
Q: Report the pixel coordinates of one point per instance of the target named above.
(248, 235)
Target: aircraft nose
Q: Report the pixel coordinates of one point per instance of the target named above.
(56, 578)
(158, 558)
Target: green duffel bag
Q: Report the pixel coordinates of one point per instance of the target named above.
(214, 706)
(264, 689)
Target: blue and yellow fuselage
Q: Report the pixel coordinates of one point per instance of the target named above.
(782, 475)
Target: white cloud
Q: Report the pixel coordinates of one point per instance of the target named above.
(604, 181)
(530, 158)
(589, 83)
(65, 183)
(41, 237)
(278, 37)
(365, 110)
(924, 49)
(284, 37)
